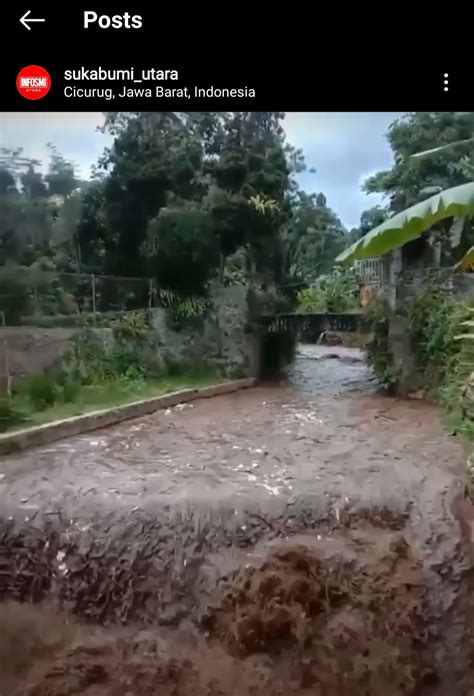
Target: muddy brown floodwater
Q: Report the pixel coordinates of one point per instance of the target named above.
(299, 537)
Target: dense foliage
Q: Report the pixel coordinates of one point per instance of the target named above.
(182, 198)
(334, 292)
(434, 325)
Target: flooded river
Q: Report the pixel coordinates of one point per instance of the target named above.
(297, 537)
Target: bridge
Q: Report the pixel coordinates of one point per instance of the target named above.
(349, 322)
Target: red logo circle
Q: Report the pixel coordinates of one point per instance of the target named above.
(33, 82)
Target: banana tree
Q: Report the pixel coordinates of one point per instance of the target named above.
(457, 202)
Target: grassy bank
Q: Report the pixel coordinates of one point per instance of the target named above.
(93, 397)
(94, 375)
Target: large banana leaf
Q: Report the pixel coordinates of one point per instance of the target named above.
(466, 264)
(411, 223)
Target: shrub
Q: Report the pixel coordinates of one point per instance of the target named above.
(335, 292)
(312, 299)
(125, 358)
(41, 390)
(88, 362)
(131, 326)
(10, 416)
(433, 318)
(341, 291)
(183, 310)
(175, 368)
(71, 391)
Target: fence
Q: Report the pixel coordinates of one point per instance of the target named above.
(374, 271)
(373, 278)
(39, 298)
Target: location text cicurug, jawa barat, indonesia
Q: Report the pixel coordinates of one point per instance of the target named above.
(135, 83)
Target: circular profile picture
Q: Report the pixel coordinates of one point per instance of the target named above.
(33, 82)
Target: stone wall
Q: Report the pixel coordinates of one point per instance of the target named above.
(31, 349)
(412, 282)
(222, 339)
(463, 284)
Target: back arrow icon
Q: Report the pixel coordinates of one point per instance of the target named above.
(25, 21)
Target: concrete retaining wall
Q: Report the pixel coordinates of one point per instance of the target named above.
(58, 430)
(220, 339)
(32, 350)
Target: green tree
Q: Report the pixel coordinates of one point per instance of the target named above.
(33, 210)
(61, 178)
(25, 217)
(217, 163)
(413, 179)
(255, 163)
(182, 246)
(94, 242)
(155, 159)
(369, 219)
(314, 237)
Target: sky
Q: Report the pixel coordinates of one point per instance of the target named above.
(344, 148)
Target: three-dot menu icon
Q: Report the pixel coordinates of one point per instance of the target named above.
(446, 82)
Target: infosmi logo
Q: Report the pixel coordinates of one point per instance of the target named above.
(33, 82)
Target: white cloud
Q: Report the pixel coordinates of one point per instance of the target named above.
(342, 147)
